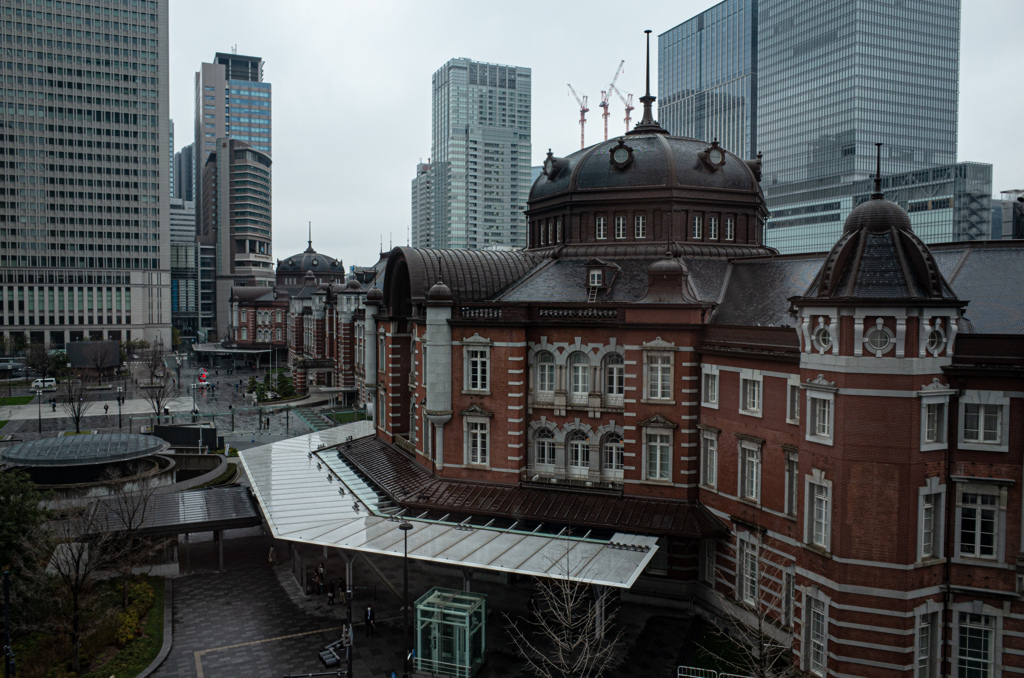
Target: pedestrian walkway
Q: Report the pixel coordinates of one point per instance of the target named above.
(313, 420)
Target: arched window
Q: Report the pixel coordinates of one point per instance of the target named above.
(614, 379)
(579, 378)
(612, 453)
(579, 454)
(545, 366)
(544, 447)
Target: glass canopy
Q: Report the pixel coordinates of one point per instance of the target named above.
(309, 494)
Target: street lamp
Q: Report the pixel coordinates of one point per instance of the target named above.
(405, 526)
(120, 393)
(39, 401)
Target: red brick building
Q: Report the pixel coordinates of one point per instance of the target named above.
(833, 443)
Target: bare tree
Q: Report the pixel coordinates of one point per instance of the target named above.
(753, 620)
(157, 386)
(71, 397)
(102, 355)
(38, 358)
(124, 512)
(59, 567)
(565, 634)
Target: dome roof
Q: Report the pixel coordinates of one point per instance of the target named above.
(353, 284)
(879, 257)
(439, 293)
(653, 161)
(310, 260)
(375, 295)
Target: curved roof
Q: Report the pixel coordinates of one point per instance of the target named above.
(879, 257)
(83, 450)
(472, 275)
(659, 161)
(310, 260)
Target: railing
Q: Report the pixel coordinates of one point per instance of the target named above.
(585, 312)
(482, 312)
(436, 667)
(694, 672)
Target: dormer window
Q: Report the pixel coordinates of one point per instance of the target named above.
(596, 277)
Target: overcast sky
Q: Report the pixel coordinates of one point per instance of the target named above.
(351, 108)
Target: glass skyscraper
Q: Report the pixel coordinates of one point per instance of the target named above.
(827, 79)
(707, 77)
(480, 157)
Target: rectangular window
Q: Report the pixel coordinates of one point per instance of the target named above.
(821, 515)
(821, 414)
(546, 378)
(816, 636)
(709, 459)
(659, 456)
(750, 471)
(601, 228)
(478, 433)
(748, 572)
(929, 523)
(730, 229)
(923, 664)
(982, 423)
(710, 546)
(698, 228)
(713, 228)
(788, 598)
(545, 451)
(976, 652)
(709, 389)
(596, 277)
(750, 395)
(792, 482)
(478, 377)
(793, 403)
(620, 228)
(978, 519)
(558, 229)
(659, 377)
(640, 227)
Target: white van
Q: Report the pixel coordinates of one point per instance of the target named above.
(49, 382)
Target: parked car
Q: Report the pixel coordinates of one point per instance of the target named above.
(49, 382)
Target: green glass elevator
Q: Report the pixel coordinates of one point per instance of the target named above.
(451, 632)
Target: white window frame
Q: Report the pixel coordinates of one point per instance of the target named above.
(748, 587)
(698, 228)
(792, 473)
(934, 407)
(601, 228)
(821, 413)
(614, 373)
(927, 632)
(640, 226)
(595, 277)
(968, 502)
(475, 355)
(577, 449)
(477, 430)
(712, 228)
(665, 438)
(818, 502)
(613, 454)
(659, 367)
(751, 379)
(709, 457)
(980, 618)
(709, 384)
(549, 447)
(730, 228)
(749, 469)
(931, 516)
(988, 399)
(544, 371)
(793, 398)
(620, 228)
(708, 561)
(582, 370)
(814, 657)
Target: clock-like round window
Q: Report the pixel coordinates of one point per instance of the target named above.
(621, 156)
(936, 340)
(823, 339)
(878, 340)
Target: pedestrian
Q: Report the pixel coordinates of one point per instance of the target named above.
(106, 409)
(330, 593)
(272, 556)
(53, 403)
(369, 617)
(342, 591)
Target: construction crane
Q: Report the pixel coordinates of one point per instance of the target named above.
(606, 94)
(582, 101)
(627, 101)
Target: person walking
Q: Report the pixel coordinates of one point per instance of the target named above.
(330, 592)
(342, 591)
(370, 618)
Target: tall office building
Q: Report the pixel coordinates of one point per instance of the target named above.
(232, 101)
(184, 270)
(84, 217)
(170, 160)
(707, 77)
(184, 165)
(480, 155)
(825, 81)
(423, 187)
(234, 218)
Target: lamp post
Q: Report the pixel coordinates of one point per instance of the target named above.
(120, 393)
(405, 526)
(39, 401)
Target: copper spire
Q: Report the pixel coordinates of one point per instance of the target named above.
(309, 242)
(648, 124)
(878, 195)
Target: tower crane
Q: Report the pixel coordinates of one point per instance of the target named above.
(627, 101)
(606, 94)
(582, 101)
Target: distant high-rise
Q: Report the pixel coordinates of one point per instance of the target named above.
(85, 253)
(802, 81)
(480, 156)
(170, 159)
(184, 270)
(423, 187)
(231, 101)
(184, 164)
(234, 218)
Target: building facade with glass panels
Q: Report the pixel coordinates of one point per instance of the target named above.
(707, 76)
(84, 220)
(480, 154)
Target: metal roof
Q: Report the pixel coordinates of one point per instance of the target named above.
(215, 508)
(82, 450)
(309, 493)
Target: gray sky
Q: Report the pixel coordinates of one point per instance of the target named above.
(351, 80)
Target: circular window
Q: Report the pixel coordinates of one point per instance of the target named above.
(878, 340)
(315, 262)
(936, 339)
(823, 339)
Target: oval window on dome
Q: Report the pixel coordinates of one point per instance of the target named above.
(936, 340)
(315, 262)
(823, 339)
(878, 340)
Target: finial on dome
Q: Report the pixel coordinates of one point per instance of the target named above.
(648, 123)
(878, 195)
(309, 243)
